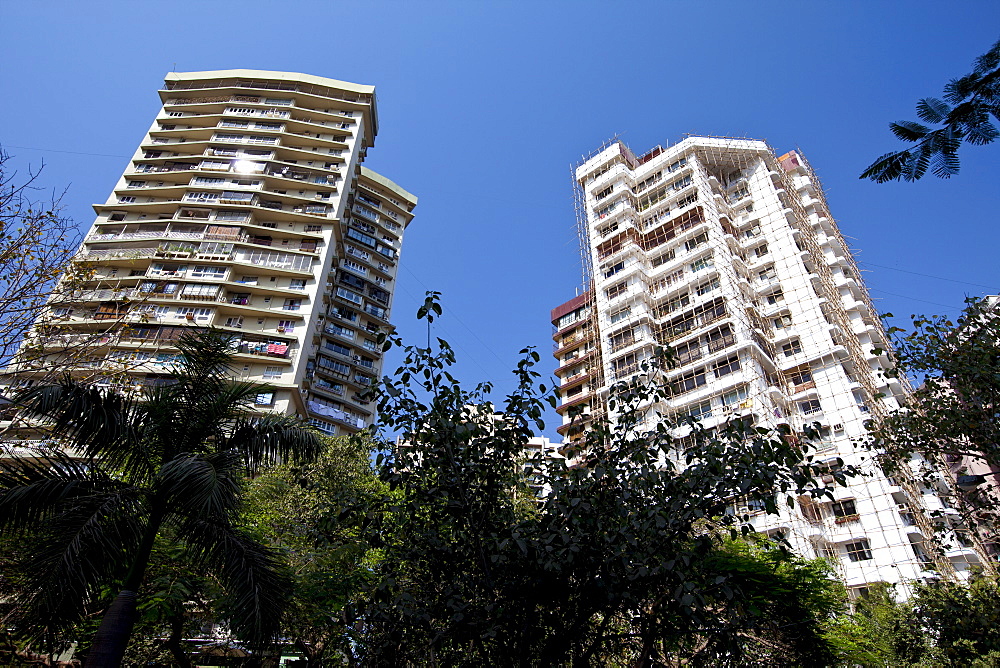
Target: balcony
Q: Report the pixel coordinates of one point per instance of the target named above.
(336, 414)
(279, 349)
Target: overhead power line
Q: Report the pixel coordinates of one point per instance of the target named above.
(917, 273)
(55, 150)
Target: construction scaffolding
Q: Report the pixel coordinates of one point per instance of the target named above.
(640, 297)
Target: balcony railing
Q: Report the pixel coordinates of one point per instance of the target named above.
(336, 414)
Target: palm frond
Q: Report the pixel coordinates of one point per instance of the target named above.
(978, 128)
(251, 574)
(888, 167)
(932, 110)
(920, 160)
(36, 489)
(97, 423)
(79, 551)
(199, 485)
(989, 61)
(945, 164)
(272, 438)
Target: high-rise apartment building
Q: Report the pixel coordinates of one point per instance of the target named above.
(727, 253)
(246, 208)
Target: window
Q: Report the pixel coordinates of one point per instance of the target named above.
(272, 372)
(313, 228)
(334, 366)
(702, 263)
(235, 321)
(689, 381)
(343, 313)
(620, 314)
(705, 288)
(664, 257)
(126, 200)
(760, 251)
(727, 366)
(264, 399)
(360, 236)
(843, 509)
(701, 411)
(690, 199)
(625, 365)
(621, 339)
(858, 550)
(287, 325)
(209, 272)
(618, 290)
(342, 332)
(691, 244)
(292, 305)
(199, 290)
(323, 426)
(337, 348)
(614, 269)
(734, 397)
(191, 313)
(354, 297)
(248, 280)
(800, 376)
(677, 165)
(297, 284)
(782, 321)
(767, 275)
(775, 297)
(793, 347)
(117, 216)
(810, 406)
(687, 352)
(671, 305)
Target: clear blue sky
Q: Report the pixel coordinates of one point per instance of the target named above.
(485, 105)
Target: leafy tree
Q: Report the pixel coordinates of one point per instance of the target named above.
(167, 462)
(944, 624)
(962, 620)
(878, 632)
(951, 416)
(314, 515)
(37, 244)
(963, 116)
(623, 562)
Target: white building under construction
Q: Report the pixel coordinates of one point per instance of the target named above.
(727, 253)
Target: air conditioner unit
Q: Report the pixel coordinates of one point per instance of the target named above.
(828, 479)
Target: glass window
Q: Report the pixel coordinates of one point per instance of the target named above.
(844, 508)
(810, 406)
(793, 347)
(727, 366)
(858, 550)
(702, 263)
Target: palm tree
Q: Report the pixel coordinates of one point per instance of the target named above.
(964, 114)
(169, 461)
